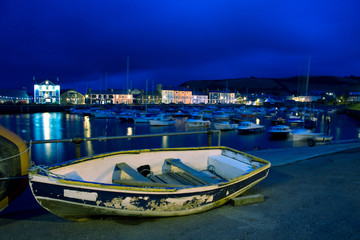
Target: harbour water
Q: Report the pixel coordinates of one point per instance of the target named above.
(46, 126)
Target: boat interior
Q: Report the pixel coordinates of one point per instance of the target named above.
(161, 168)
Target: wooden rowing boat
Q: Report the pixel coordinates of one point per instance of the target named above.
(146, 183)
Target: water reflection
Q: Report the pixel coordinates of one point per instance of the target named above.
(42, 126)
(87, 134)
(129, 131)
(164, 143)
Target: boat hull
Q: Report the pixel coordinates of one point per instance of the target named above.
(14, 163)
(161, 122)
(92, 187)
(79, 202)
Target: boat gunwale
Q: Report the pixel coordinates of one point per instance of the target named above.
(153, 189)
(139, 151)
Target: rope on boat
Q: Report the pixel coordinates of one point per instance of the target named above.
(28, 149)
(42, 169)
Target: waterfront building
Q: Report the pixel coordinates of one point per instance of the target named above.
(354, 97)
(47, 92)
(218, 97)
(167, 96)
(199, 98)
(303, 98)
(182, 96)
(110, 96)
(13, 96)
(151, 97)
(71, 97)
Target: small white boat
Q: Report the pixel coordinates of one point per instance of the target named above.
(143, 118)
(295, 119)
(146, 183)
(225, 125)
(125, 116)
(197, 121)
(75, 110)
(162, 120)
(331, 110)
(220, 116)
(319, 139)
(279, 131)
(249, 127)
(103, 113)
(302, 134)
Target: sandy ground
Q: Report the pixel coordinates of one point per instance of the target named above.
(318, 198)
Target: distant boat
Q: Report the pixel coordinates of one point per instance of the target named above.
(331, 110)
(162, 120)
(302, 134)
(146, 183)
(103, 113)
(279, 131)
(310, 136)
(181, 114)
(197, 121)
(278, 121)
(143, 118)
(295, 119)
(250, 127)
(225, 125)
(220, 116)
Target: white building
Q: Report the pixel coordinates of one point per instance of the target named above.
(47, 92)
(200, 99)
(167, 96)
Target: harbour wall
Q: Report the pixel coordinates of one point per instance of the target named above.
(19, 109)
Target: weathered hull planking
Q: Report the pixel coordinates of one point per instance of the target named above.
(75, 199)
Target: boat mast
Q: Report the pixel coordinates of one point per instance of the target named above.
(146, 95)
(307, 76)
(127, 74)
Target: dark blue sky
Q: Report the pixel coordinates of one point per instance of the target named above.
(173, 41)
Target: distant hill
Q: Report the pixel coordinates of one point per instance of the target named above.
(279, 86)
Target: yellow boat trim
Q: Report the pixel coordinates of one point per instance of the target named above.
(98, 185)
(160, 150)
(4, 203)
(19, 142)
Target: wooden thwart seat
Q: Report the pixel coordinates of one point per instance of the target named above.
(137, 180)
(135, 175)
(190, 174)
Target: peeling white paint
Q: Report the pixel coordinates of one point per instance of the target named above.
(166, 204)
(89, 196)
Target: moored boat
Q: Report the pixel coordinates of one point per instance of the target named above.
(162, 120)
(225, 125)
(196, 120)
(146, 183)
(279, 131)
(250, 127)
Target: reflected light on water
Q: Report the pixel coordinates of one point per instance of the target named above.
(87, 127)
(129, 131)
(164, 143)
(46, 133)
(87, 134)
(46, 125)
